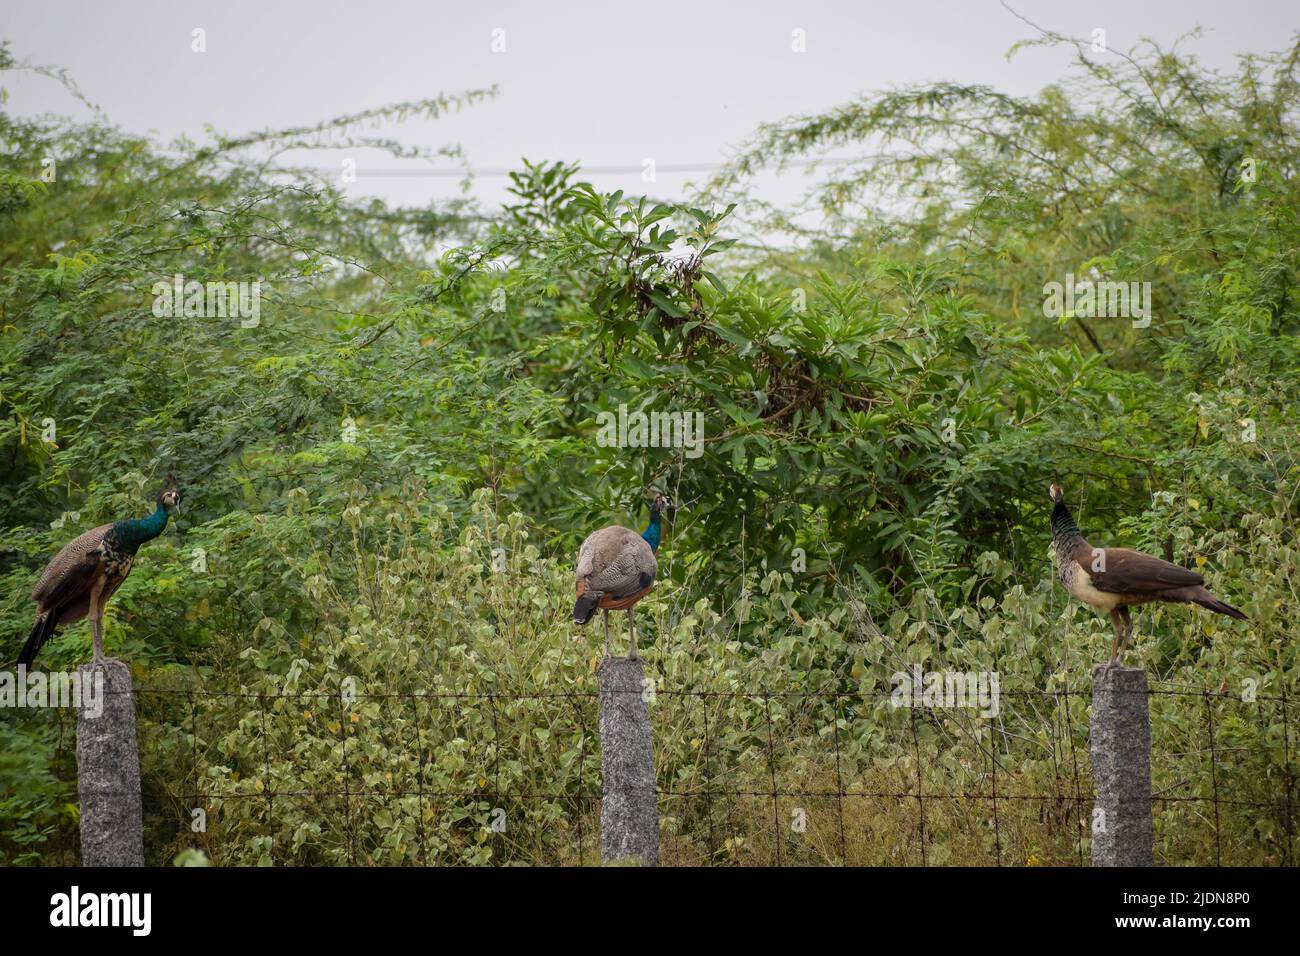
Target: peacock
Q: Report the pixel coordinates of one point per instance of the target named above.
(616, 568)
(84, 575)
(1111, 580)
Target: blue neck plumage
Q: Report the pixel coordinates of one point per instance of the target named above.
(651, 533)
(137, 531)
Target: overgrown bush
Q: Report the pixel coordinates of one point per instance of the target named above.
(442, 710)
(387, 478)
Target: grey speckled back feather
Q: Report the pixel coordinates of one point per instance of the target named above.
(70, 557)
(615, 561)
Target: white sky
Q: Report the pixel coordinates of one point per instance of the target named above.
(606, 84)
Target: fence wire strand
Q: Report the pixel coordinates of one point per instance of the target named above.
(1063, 806)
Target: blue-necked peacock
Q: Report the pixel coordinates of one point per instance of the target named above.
(616, 568)
(84, 575)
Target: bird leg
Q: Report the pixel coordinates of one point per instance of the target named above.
(606, 613)
(1116, 623)
(1122, 621)
(1127, 620)
(97, 632)
(631, 626)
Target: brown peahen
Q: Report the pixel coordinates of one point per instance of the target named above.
(617, 568)
(84, 575)
(1112, 580)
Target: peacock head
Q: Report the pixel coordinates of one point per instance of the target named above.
(1056, 493)
(170, 497)
(661, 504)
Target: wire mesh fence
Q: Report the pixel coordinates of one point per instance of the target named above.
(744, 777)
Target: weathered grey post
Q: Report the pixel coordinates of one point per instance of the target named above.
(108, 768)
(1120, 746)
(629, 810)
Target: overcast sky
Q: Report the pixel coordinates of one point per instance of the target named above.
(607, 84)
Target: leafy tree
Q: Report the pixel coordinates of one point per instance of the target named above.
(387, 474)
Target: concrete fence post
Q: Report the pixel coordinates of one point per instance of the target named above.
(629, 808)
(108, 769)
(1120, 747)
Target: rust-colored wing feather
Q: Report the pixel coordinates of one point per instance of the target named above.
(1132, 572)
